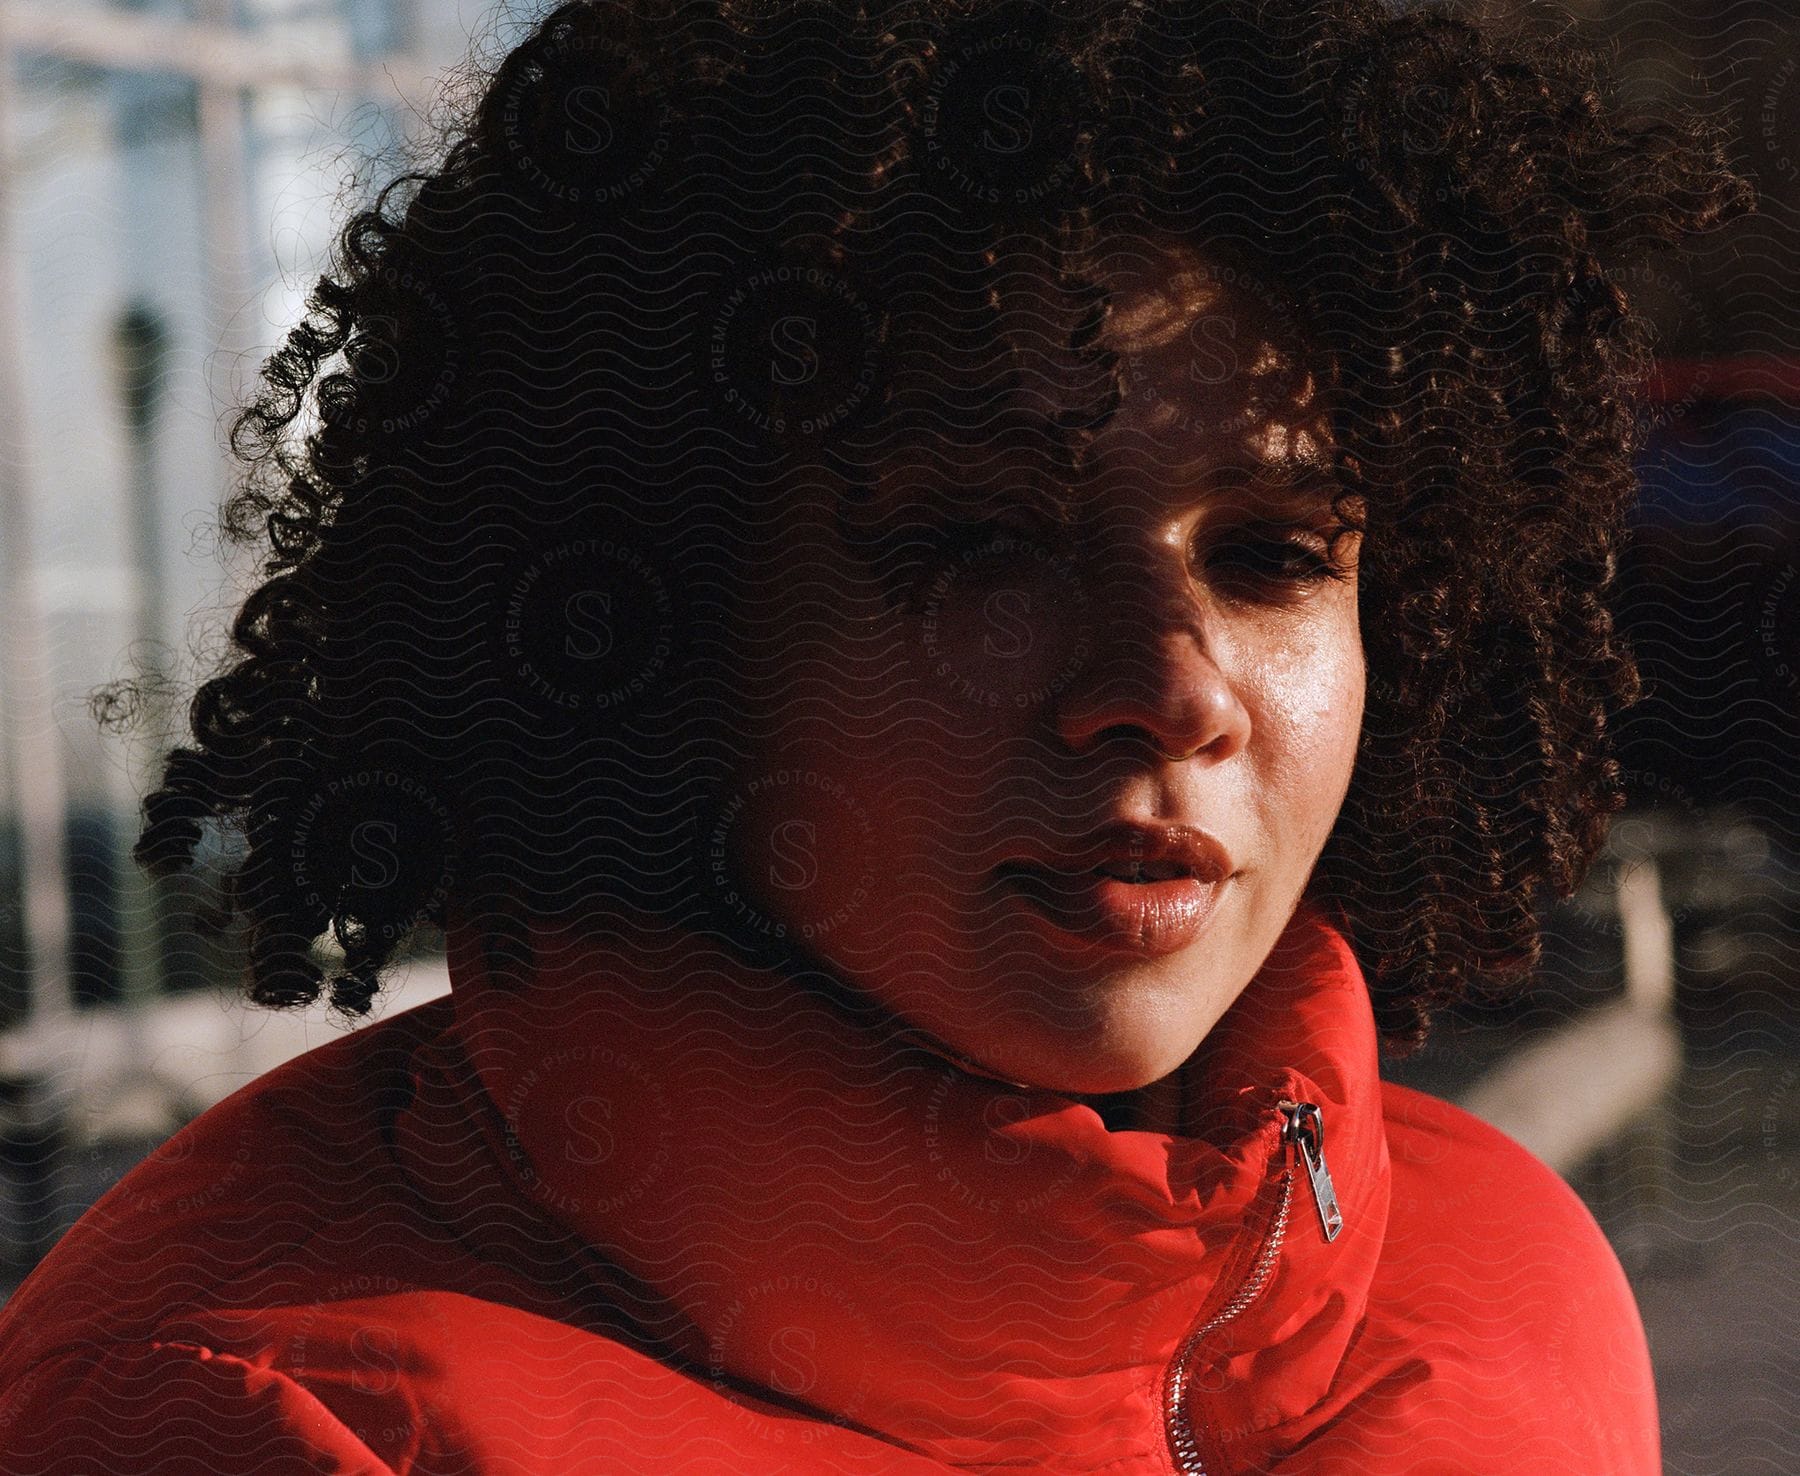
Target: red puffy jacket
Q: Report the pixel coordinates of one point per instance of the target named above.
(663, 1212)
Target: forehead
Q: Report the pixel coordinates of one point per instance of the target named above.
(1213, 362)
(1208, 367)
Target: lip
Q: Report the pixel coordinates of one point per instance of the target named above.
(1146, 918)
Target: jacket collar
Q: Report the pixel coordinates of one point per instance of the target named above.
(978, 1271)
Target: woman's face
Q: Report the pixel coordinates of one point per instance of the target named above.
(955, 758)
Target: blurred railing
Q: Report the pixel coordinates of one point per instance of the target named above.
(1609, 1069)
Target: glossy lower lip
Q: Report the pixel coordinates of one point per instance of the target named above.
(1144, 918)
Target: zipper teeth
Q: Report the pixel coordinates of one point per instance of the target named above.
(1181, 1432)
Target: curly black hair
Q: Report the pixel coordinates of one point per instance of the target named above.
(528, 360)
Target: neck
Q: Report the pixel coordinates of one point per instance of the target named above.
(941, 1243)
(1153, 1108)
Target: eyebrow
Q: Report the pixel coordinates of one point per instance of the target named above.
(937, 483)
(1293, 479)
(1284, 468)
(1283, 484)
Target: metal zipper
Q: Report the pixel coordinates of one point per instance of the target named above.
(1306, 1124)
(1304, 1131)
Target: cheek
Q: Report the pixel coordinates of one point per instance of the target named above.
(804, 843)
(842, 788)
(1001, 638)
(1307, 715)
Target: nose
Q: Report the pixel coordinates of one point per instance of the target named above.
(1153, 674)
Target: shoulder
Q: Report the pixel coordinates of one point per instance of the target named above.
(274, 1287)
(329, 1271)
(1445, 1154)
(236, 1207)
(1475, 1210)
(161, 1408)
(412, 1383)
(1513, 1296)
(1459, 1181)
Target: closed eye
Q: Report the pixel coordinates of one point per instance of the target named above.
(1264, 562)
(1000, 529)
(936, 532)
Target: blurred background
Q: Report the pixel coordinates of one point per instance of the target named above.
(170, 172)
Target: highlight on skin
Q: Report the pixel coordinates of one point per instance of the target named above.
(1218, 621)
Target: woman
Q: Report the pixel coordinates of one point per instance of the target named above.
(955, 609)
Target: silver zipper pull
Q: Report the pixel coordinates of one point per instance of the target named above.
(1306, 1128)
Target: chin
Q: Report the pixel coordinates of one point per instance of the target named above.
(1124, 1077)
(1073, 1029)
(1075, 1072)
(1142, 1035)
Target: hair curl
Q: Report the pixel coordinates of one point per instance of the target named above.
(1448, 208)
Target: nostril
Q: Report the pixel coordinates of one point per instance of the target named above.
(1185, 707)
(1131, 732)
